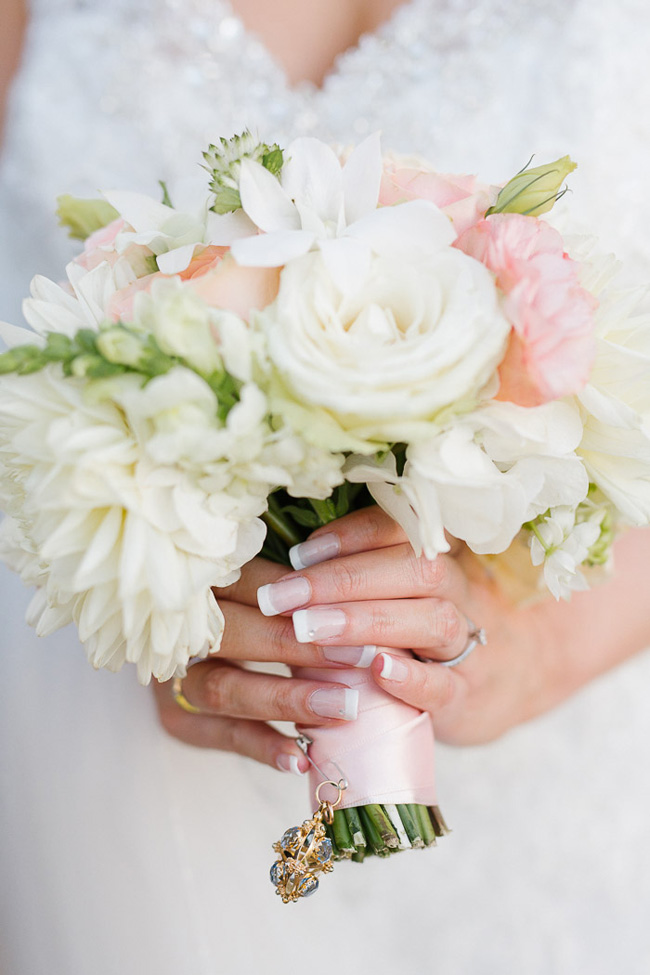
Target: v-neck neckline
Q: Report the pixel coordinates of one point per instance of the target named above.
(380, 34)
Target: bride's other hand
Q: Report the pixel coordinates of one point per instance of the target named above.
(235, 704)
(373, 591)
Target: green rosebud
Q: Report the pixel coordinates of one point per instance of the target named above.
(121, 346)
(83, 217)
(534, 191)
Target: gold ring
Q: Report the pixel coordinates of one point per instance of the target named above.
(179, 697)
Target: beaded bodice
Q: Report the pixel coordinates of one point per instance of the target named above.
(129, 92)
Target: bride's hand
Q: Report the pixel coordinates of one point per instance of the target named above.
(372, 592)
(235, 704)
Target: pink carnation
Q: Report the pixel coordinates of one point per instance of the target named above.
(552, 345)
(463, 198)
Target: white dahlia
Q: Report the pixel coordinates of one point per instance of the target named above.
(125, 509)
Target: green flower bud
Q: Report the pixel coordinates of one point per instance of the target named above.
(84, 217)
(119, 345)
(534, 191)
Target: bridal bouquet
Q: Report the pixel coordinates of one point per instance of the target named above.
(324, 325)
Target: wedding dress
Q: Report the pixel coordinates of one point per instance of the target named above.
(124, 851)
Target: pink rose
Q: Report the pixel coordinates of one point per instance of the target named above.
(552, 345)
(99, 246)
(236, 288)
(220, 282)
(462, 198)
(120, 304)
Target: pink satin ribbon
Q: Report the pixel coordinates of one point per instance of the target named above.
(386, 755)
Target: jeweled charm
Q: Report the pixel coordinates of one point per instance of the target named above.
(304, 852)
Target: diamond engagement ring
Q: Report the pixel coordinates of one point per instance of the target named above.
(475, 636)
(179, 697)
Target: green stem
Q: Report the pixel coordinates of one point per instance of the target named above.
(341, 832)
(355, 827)
(373, 837)
(410, 825)
(383, 825)
(424, 822)
(279, 524)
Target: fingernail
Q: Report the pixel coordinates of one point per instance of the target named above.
(335, 702)
(352, 656)
(392, 668)
(280, 597)
(315, 550)
(312, 625)
(291, 763)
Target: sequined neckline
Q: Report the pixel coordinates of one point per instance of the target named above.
(380, 35)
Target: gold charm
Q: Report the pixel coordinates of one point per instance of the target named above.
(305, 852)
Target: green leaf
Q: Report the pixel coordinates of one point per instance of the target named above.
(83, 217)
(302, 516)
(166, 199)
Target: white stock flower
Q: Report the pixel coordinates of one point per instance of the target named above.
(321, 203)
(562, 545)
(354, 371)
(482, 478)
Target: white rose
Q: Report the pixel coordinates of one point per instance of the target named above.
(421, 333)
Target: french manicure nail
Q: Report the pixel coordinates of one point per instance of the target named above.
(352, 656)
(313, 625)
(315, 550)
(290, 763)
(280, 597)
(335, 702)
(392, 668)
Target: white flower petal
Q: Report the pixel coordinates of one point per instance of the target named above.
(223, 228)
(264, 199)
(362, 178)
(139, 211)
(404, 228)
(13, 335)
(348, 261)
(313, 179)
(273, 249)
(176, 260)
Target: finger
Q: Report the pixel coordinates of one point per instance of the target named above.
(254, 574)
(364, 530)
(425, 686)
(390, 573)
(253, 739)
(220, 688)
(432, 627)
(250, 636)
(360, 531)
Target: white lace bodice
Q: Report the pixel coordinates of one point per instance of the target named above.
(123, 94)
